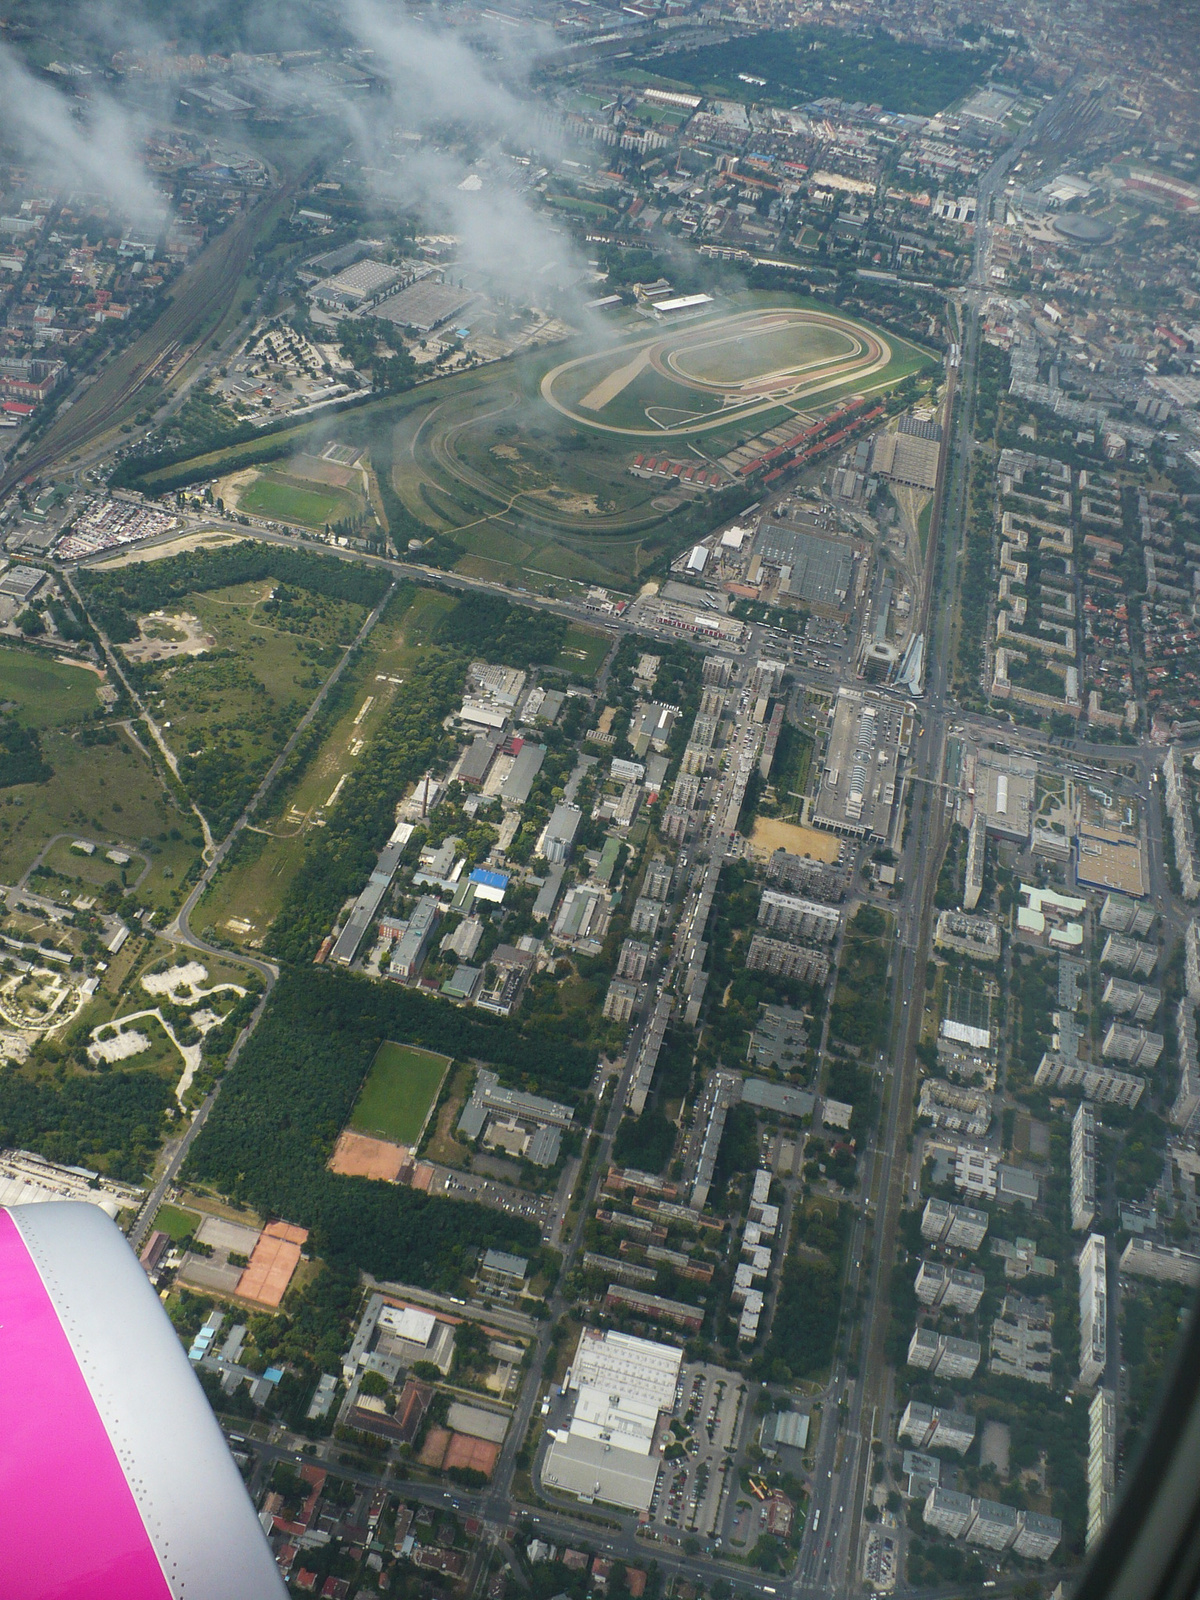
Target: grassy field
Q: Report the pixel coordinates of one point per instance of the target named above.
(45, 692)
(109, 793)
(95, 869)
(226, 715)
(734, 357)
(401, 1089)
(245, 898)
(175, 1221)
(288, 499)
(584, 651)
(160, 1055)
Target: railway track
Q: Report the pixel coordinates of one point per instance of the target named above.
(205, 290)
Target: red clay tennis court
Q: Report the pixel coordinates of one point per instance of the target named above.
(464, 1451)
(275, 1258)
(443, 1450)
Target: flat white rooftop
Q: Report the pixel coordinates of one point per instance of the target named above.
(633, 1369)
(595, 1471)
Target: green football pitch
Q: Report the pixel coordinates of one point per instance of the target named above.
(400, 1091)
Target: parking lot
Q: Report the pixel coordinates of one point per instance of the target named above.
(708, 1407)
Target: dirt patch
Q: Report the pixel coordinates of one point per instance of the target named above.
(164, 634)
(433, 1451)
(315, 469)
(994, 1447)
(770, 835)
(575, 505)
(212, 540)
(356, 1155)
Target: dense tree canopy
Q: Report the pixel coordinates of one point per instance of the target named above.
(112, 1121)
(808, 64)
(118, 597)
(271, 1133)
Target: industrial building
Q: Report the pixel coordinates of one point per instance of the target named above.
(517, 784)
(558, 836)
(413, 945)
(910, 455)
(815, 570)
(363, 912)
(355, 284)
(858, 785)
(425, 306)
(621, 1386)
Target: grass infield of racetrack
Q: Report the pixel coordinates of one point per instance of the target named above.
(400, 1091)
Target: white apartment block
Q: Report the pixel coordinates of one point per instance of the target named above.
(931, 1428)
(1191, 960)
(942, 1355)
(1093, 1311)
(959, 1290)
(961, 1227)
(1187, 1101)
(1102, 1461)
(1083, 1168)
(1098, 1082)
(1178, 791)
(789, 916)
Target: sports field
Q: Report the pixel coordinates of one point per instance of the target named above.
(400, 1092)
(281, 497)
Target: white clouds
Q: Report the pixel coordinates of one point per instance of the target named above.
(95, 151)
